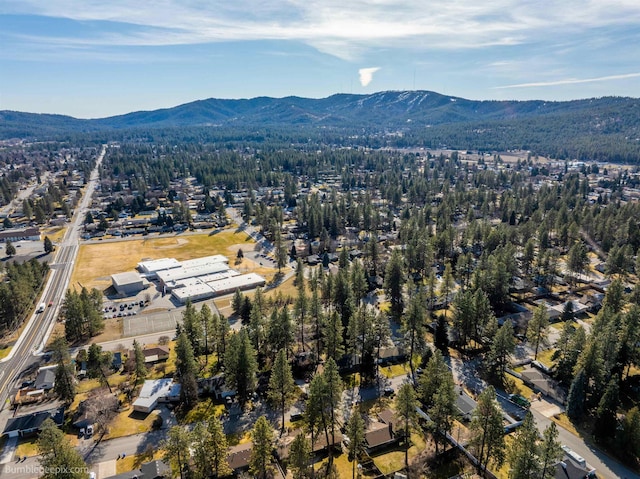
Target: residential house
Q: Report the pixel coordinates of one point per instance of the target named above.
(155, 391)
(378, 436)
(238, 457)
(30, 424)
(46, 379)
(90, 409)
(154, 354)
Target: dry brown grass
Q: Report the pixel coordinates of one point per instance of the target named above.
(130, 422)
(54, 233)
(105, 259)
(112, 331)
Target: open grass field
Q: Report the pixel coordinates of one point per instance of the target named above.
(203, 411)
(130, 422)
(98, 261)
(27, 447)
(545, 357)
(55, 233)
(112, 331)
(395, 370)
(394, 460)
(516, 386)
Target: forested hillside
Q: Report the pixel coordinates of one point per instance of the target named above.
(593, 129)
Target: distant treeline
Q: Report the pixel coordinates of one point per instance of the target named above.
(18, 291)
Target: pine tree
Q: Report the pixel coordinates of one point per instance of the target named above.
(576, 397)
(280, 331)
(236, 302)
(281, 385)
(406, 403)
(447, 285)
(48, 245)
(186, 371)
(9, 249)
(443, 411)
(65, 386)
(332, 398)
(523, 453)
(300, 456)
(578, 258)
(433, 375)
(315, 412)
(550, 451)
(441, 335)
(359, 336)
(393, 283)
(413, 325)
(218, 448)
(140, 367)
(58, 459)
(262, 437)
(463, 314)
(358, 282)
(301, 306)
(192, 326)
(241, 366)
(207, 328)
(199, 445)
(538, 327)
(487, 430)
(281, 252)
(355, 433)
(221, 330)
(503, 345)
(333, 336)
(176, 451)
(606, 414)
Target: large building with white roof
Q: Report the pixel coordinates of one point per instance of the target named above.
(128, 283)
(200, 289)
(199, 278)
(151, 268)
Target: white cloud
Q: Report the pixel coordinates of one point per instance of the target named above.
(366, 75)
(342, 29)
(570, 81)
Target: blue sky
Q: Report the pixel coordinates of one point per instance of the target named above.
(90, 58)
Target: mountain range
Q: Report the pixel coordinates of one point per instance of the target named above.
(390, 111)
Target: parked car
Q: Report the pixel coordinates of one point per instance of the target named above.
(89, 432)
(519, 400)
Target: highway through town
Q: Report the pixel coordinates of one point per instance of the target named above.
(25, 353)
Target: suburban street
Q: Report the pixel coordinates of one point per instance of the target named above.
(605, 466)
(24, 354)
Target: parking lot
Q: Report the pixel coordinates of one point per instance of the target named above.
(122, 309)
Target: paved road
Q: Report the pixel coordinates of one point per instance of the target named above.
(93, 452)
(24, 354)
(606, 467)
(22, 195)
